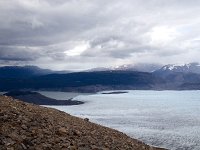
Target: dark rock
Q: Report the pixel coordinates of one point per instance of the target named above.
(24, 127)
(62, 131)
(23, 146)
(86, 119)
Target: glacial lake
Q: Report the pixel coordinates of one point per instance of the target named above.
(169, 119)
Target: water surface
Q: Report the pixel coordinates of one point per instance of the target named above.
(169, 119)
(61, 95)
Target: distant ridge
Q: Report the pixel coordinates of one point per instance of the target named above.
(184, 68)
(26, 71)
(22, 71)
(181, 77)
(168, 77)
(85, 81)
(140, 67)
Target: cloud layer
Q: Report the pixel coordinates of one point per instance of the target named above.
(81, 34)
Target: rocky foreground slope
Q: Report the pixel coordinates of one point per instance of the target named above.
(32, 127)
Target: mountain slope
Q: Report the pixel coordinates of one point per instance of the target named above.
(140, 67)
(168, 77)
(39, 99)
(181, 77)
(26, 126)
(22, 71)
(184, 68)
(88, 81)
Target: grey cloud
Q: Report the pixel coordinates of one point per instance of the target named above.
(17, 54)
(118, 31)
(43, 24)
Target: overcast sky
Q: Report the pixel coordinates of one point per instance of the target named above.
(82, 34)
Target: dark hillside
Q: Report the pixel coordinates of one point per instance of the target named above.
(22, 71)
(39, 99)
(111, 79)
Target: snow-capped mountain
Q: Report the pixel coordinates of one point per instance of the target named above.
(185, 76)
(141, 67)
(98, 69)
(184, 68)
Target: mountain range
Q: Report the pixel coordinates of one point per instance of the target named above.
(126, 77)
(22, 71)
(141, 67)
(184, 76)
(184, 68)
(25, 71)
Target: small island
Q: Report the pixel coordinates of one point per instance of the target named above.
(115, 92)
(39, 99)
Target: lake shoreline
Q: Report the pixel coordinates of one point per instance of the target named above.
(39, 99)
(57, 130)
